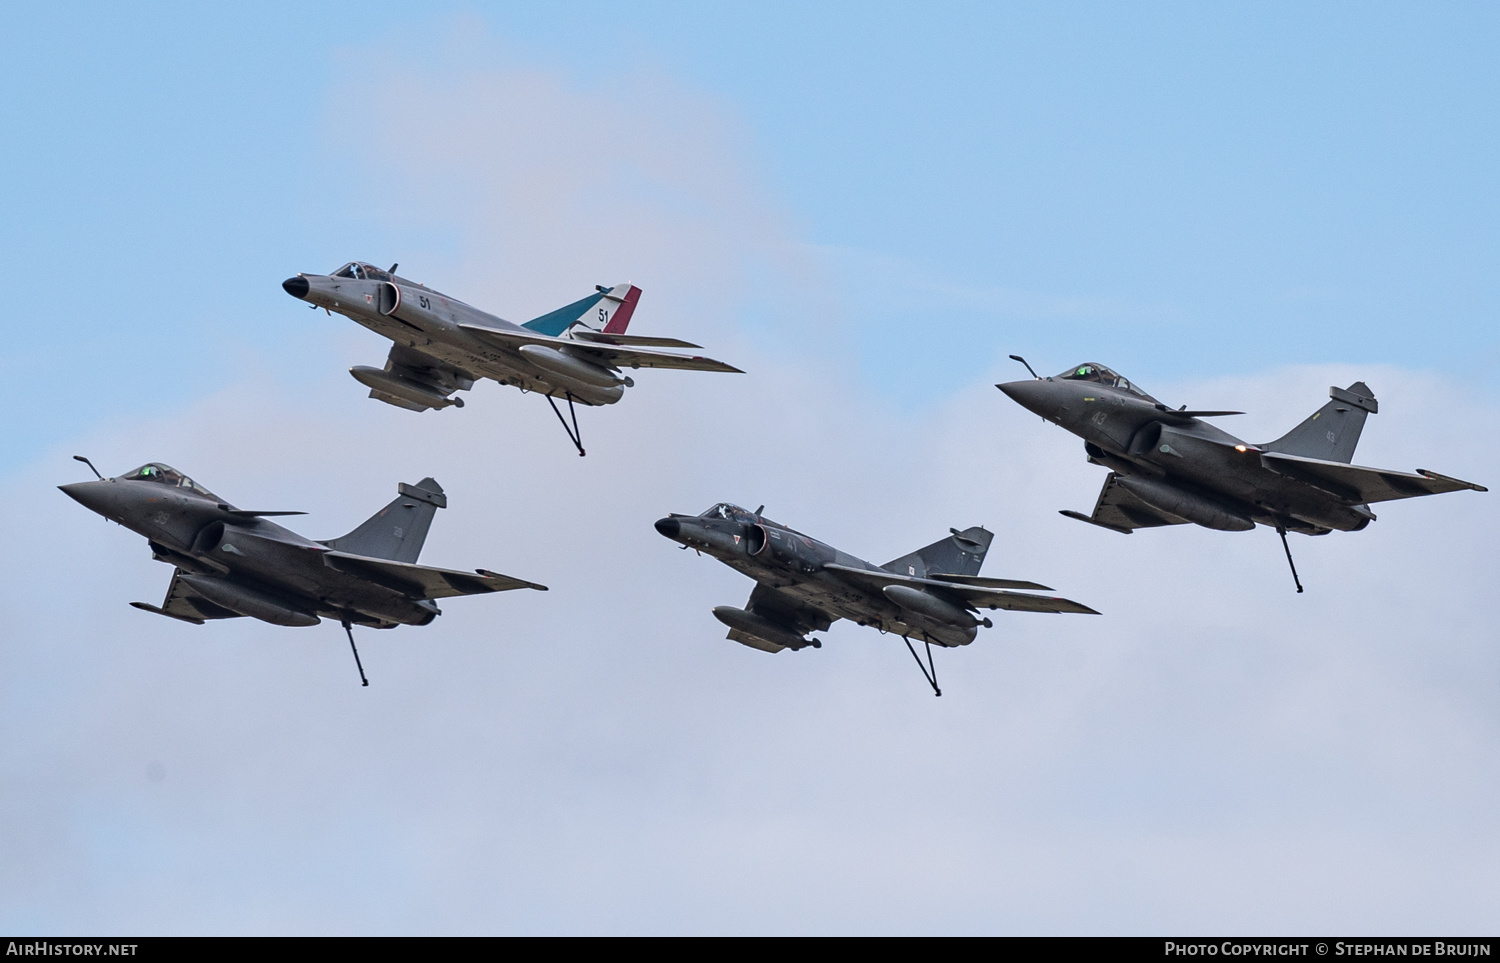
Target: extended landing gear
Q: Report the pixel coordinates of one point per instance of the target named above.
(573, 434)
(1280, 530)
(929, 671)
(350, 629)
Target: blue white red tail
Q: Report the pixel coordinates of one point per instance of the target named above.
(608, 311)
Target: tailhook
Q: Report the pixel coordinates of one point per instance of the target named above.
(350, 629)
(930, 676)
(1281, 530)
(573, 434)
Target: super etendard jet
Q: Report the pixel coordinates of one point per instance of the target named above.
(1170, 467)
(802, 585)
(442, 345)
(229, 562)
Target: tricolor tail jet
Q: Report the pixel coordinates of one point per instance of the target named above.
(442, 345)
(230, 562)
(1170, 467)
(802, 585)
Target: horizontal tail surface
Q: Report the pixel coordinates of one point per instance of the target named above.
(961, 553)
(397, 531)
(608, 311)
(1332, 433)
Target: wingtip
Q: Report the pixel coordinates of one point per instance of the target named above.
(1068, 513)
(486, 573)
(158, 610)
(1472, 486)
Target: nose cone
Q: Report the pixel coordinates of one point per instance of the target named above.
(1032, 395)
(297, 287)
(669, 527)
(92, 495)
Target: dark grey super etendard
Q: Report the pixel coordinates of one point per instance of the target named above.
(443, 345)
(230, 562)
(1169, 467)
(803, 585)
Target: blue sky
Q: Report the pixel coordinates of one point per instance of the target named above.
(1170, 188)
(867, 208)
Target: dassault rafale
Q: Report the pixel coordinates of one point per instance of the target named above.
(802, 585)
(442, 345)
(1170, 467)
(230, 562)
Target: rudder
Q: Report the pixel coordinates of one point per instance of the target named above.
(397, 531)
(607, 311)
(961, 553)
(1332, 433)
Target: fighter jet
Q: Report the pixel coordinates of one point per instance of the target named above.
(1170, 467)
(230, 562)
(803, 585)
(442, 345)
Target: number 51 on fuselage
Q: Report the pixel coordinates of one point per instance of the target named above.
(442, 345)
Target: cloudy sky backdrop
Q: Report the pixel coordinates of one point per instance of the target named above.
(867, 208)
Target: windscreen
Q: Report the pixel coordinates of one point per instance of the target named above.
(1099, 374)
(166, 475)
(361, 271)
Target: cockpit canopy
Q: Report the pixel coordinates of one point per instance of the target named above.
(167, 475)
(1101, 375)
(361, 271)
(735, 513)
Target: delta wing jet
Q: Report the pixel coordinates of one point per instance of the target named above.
(442, 345)
(1170, 467)
(229, 562)
(802, 585)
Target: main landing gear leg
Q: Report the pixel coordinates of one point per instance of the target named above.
(931, 676)
(1282, 532)
(350, 629)
(573, 434)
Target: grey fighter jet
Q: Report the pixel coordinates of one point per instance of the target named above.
(442, 345)
(230, 562)
(1170, 467)
(803, 585)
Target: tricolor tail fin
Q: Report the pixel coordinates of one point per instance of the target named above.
(607, 311)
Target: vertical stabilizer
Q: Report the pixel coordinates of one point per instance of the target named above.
(961, 553)
(398, 530)
(607, 311)
(1333, 430)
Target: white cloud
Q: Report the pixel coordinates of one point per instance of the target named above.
(1215, 753)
